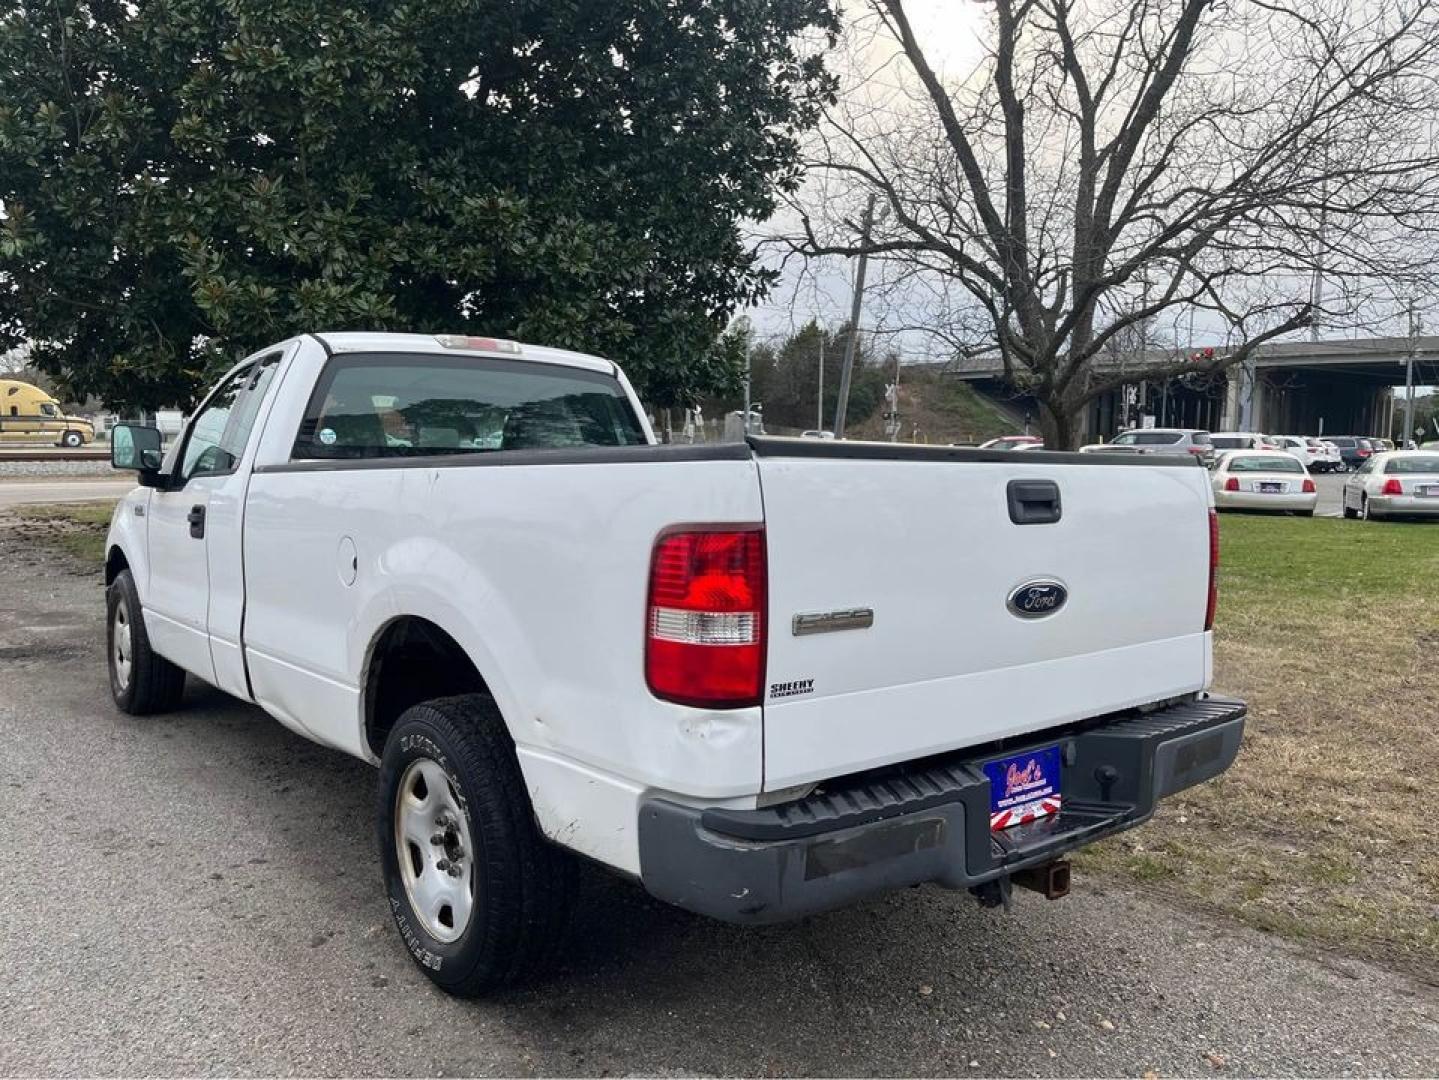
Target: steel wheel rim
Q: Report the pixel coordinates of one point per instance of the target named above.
(433, 850)
(122, 644)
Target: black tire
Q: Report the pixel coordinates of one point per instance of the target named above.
(1364, 512)
(72, 439)
(1304, 513)
(521, 886)
(152, 684)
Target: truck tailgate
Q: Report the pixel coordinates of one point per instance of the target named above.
(924, 537)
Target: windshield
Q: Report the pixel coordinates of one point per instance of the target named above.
(1278, 463)
(1427, 463)
(1147, 438)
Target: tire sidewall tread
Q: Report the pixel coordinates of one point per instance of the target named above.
(524, 884)
(156, 685)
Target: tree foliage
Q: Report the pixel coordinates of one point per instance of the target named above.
(785, 378)
(183, 181)
(1112, 162)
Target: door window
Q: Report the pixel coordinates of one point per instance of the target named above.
(222, 427)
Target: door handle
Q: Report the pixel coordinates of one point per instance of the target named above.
(196, 518)
(1033, 502)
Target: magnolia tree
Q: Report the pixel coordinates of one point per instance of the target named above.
(183, 182)
(1110, 164)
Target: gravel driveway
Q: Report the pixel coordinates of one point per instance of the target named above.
(199, 893)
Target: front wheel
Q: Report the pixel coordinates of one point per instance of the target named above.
(478, 895)
(141, 680)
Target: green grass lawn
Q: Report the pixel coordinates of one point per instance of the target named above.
(78, 529)
(1324, 830)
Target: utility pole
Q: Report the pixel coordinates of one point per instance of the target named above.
(746, 387)
(842, 406)
(819, 405)
(1409, 377)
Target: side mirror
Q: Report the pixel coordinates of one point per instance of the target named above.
(137, 448)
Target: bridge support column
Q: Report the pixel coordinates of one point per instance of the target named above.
(1241, 399)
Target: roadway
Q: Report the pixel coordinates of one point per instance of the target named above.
(19, 490)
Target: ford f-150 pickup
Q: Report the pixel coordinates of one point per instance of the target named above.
(764, 679)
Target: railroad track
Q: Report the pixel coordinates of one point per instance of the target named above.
(43, 454)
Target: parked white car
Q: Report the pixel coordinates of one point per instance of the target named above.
(1333, 456)
(1225, 441)
(763, 678)
(1393, 484)
(1309, 451)
(1263, 480)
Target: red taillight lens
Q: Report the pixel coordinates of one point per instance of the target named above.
(1232, 484)
(1392, 486)
(1309, 488)
(704, 633)
(1213, 571)
(1363, 453)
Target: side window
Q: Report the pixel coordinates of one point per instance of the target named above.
(47, 409)
(1367, 467)
(387, 405)
(222, 427)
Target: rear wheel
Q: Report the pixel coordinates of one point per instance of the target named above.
(479, 896)
(1364, 511)
(1304, 513)
(72, 439)
(141, 680)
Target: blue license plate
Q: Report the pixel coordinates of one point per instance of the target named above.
(1023, 788)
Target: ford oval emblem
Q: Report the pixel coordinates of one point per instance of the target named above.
(1036, 599)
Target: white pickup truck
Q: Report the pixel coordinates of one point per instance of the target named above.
(764, 679)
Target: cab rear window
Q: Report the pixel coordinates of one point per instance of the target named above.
(393, 405)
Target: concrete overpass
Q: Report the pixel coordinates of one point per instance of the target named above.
(1338, 387)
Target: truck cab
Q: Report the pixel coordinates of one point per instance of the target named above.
(29, 414)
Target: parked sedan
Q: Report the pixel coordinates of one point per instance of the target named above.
(1263, 480)
(1394, 484)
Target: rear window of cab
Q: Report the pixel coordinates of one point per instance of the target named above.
(388, 405)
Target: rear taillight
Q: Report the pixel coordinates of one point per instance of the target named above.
(1309, 488)
(1363, 453)
(1232, 484)
(1197, 449)
(704, 632)
(1392, 486)
(1213, 571)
